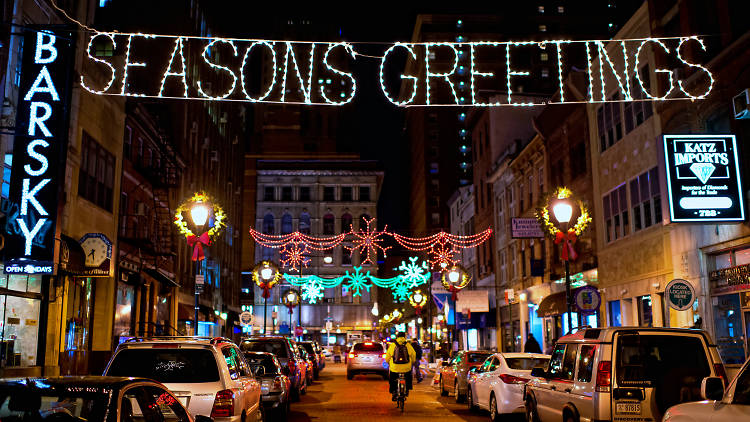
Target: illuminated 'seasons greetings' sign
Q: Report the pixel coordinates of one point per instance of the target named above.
(294, 72)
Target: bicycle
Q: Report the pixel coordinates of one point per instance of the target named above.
(401, 392)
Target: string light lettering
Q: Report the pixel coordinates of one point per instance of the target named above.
(98, 60)
(218, 67)
(182, 73)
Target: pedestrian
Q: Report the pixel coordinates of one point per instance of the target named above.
(418, 353)
(531, 345)
(698, 324)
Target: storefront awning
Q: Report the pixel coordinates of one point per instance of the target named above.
(552, 305)
(159, 276)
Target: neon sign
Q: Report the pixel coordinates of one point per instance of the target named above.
(318, 73)
(703, 178)
(38, 151)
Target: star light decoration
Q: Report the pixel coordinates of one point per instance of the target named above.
(294, 255)
(367, 241)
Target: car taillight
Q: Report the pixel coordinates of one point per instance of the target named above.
(604, 376)
(512, 379)
(719, 369)
(352, 355)
(223, 404)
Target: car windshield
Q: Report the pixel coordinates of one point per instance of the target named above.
(57, 404)
(368, 347)
(262, 360)
(276, 347)
(526, 364)
(166, 365)
(476, 357)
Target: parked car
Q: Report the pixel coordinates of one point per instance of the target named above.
(731, 405)
(275, 386)
(454, 373)
(285, 350)
(309, 364)
(497, 385)
(317, 359)
(366, 358)
(321, 356)
(621, 373)
(208, 375)
(91, 399)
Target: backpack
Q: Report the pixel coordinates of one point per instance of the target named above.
(401, 354)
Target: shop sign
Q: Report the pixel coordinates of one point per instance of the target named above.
(525, 228)
(679, 294)
(39, 149)
(473, 300)
(703, 178)
(200, 281)
(730, 277)
(587, 299)
(246, 318)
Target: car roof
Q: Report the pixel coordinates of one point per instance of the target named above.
(177, 339)
(95, 381)
(605, 335)
(523, 355)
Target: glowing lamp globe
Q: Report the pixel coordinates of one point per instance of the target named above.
(419, 320)
(327, 259)
(563, 212)
(396, 313)
(266, 273)
(199, 214)
(418, 298)
(291, 297)
(453, 276)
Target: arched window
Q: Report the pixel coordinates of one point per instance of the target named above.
(329, 223)
(286, 224)
(363, 219)
(304, 222)
(346, 222)
(268, 224)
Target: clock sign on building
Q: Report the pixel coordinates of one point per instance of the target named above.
(97, 251)
(703, 178)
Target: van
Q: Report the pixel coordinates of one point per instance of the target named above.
(621, 374)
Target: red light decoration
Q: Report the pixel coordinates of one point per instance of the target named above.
(441, 248)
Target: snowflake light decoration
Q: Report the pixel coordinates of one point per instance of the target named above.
(413, 272)
(367, 241)
(358, 281)
(443, 253)
(293, 255)
(401, 292)
(312, 291)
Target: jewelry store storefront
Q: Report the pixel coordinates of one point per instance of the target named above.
(730, 301)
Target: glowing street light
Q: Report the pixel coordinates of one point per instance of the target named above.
(266, 275)
(199, 214)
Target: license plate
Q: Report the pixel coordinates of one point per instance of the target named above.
(628, 408)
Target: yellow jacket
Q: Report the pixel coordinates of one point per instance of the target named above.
(400, 368)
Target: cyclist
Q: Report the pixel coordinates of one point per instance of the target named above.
(400, 358)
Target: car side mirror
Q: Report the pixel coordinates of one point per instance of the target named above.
(203, 418)
(259, 371)
(712, 388)
(539, 372)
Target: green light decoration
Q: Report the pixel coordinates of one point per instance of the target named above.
(413, 274)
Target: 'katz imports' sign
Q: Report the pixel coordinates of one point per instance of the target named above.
(38, 149)
(703, 178)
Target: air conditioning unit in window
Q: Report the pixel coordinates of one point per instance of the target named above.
(741, 105)
(215, 155)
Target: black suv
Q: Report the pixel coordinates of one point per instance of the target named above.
(286, 352)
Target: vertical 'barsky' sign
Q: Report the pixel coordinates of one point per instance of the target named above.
(703, 178)
(38, 149)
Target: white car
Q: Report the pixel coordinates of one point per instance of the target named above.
(209, 376)
(732, 405)
(497, 385)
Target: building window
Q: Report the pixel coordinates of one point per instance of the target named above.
(346, 223)
(329, 193)
(329, 222)
(523, 262)
(560, 9)
(286, 193)
(346, 255)
(645, 311)
(19, 61)
(609, 122)
(531, 189)
(268, 224)
(545, 72)
(7, 164)
(268, 193)
(541, 181)
(617, 224)
(577, 160)
(435, 219)
(96, 175)
(520, 198)
(304, 194)
(637, 111)
(127, 143)
(364, 193)
(645, 199)
(139, 151)
(347, 193)
(304, 222)
(286, 224)
(541, 9)
(542, 28)
(544, 56)
(615, 317)
(434, 169)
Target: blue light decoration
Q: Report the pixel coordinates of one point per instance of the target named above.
(413, 274)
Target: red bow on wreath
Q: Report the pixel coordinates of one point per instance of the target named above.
(418, 310)
(291, 308)
(266, 287)
(454, 293)
(198, 242)
(568, 251)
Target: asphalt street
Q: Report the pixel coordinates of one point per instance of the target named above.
(365, 398)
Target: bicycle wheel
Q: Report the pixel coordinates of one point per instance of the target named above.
(401, 404)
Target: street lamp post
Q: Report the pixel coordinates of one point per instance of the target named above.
(418, 300)
(199, 215)
(454, 280)
(563, 211)
(265, 275)
(291, 299)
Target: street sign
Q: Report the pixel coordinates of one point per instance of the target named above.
(298, 331)
(703, 178)
(246, 318)
(529, 228)
(679, 294)
(587, 299)
(199, 283)
(509, 295)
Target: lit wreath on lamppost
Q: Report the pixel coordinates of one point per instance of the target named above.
(199, 219)
(454, 279)
(418, 300)
(564, 208)
(290, 299)
(266, 274)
